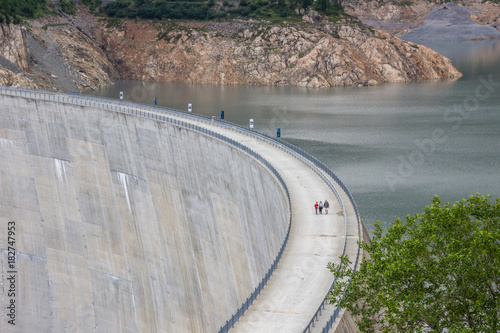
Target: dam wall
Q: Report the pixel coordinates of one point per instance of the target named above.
(127, 224)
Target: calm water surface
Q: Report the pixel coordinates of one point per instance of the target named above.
(394, 145)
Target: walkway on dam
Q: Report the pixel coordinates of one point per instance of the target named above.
(299, 284)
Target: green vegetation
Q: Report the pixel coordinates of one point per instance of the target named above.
(212, 9)
(92, 4)
(45, 27)
(402, 2)
(272, 10)
(67, 6)
(437, 272)
(13, 11)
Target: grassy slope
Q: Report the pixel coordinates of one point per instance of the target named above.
(269, 10)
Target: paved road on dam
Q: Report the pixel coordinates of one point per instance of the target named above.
(299, 285)
(301, 281)
(297, 288)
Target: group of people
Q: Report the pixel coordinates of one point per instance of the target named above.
(320, 206)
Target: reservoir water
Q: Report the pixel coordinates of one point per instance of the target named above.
(394, 145)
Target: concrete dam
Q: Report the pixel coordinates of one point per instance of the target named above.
(117, 217)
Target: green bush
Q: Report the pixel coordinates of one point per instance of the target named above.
(121, 13)
(244, 11)
(206, 9)
(67, 6)
(132, 14)
(16, 10)
(146, 11)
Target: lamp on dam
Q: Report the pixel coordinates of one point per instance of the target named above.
(190, 107)
(251, 123)
(121, 94)
(278, 132)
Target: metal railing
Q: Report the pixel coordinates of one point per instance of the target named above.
(308, 159)
(132, 109)
(324, 168)
(318, 165)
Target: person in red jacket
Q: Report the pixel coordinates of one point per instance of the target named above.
(316, 207)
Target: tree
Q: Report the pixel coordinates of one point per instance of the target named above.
(322, 5)
(306, 3)
(439, 271)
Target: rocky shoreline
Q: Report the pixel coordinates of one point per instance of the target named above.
(87, 53)
(400, 17)
(450, 22)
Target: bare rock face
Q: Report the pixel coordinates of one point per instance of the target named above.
(486, 12)
(399, 17)
(52, 54)
(13, 45)
(409, 12)
(311, 16)
(260, 54)
(10, 78)
(69, 58)
(14, 59)
(86, 53)
(450, 22)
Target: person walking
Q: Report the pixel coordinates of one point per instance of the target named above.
(326, 205)
(320, 207)
(316, 207)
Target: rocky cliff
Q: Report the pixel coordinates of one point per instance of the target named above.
(450, 22)
(13, 57)
(399, 17)
(52, 53)
(320, 55)
(85, 53)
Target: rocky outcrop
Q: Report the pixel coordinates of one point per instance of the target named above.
(450, 22)
(398, 12)
(11, 78)
(14, 66)
(399, 17)
(85, 53)
(52, 54)
(259, 54)
(13, 45)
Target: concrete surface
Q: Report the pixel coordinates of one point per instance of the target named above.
(130, 224)
(299, 285)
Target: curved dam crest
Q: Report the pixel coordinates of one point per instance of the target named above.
(129, 224)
